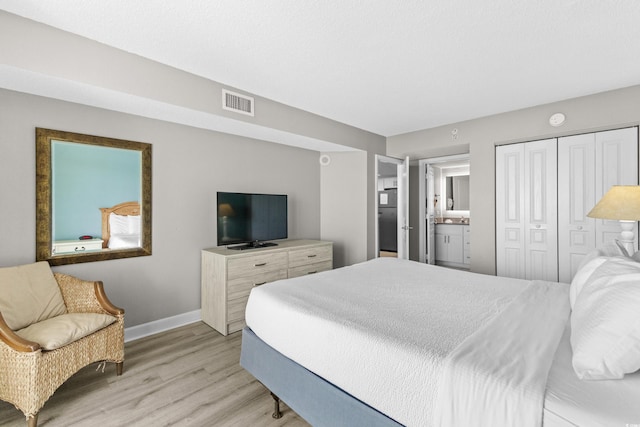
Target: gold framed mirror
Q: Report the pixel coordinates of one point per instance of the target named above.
(93, 198)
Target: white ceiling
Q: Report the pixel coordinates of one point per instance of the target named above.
(389, 67)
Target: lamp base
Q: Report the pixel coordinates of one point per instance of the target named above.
(627, 236)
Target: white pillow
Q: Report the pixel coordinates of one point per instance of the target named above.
(605, 320)
(622, 249)
(134, 224)
(118, 224)
(582, 276)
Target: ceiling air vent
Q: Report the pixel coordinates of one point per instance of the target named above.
(235, 102)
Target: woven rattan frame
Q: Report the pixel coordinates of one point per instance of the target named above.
(29, 378)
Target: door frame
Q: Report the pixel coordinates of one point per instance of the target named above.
(425, 221)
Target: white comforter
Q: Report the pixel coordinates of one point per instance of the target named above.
(498, 376)
(386, 331)
(124, 241)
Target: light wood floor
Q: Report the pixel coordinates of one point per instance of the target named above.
(189, 376)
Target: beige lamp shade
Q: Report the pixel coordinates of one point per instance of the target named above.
(621, 202)
(225, 209)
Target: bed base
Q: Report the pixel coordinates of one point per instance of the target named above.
(316, 400)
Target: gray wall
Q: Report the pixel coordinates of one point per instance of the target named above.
(189, 166)
(344, 184)
(189, 162)
(602, 111)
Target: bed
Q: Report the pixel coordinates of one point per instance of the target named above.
(391, 342)
(121, 226)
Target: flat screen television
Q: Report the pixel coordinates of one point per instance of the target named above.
(251, 220)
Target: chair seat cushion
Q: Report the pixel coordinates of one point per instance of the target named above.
(29, 294)
(61, 330)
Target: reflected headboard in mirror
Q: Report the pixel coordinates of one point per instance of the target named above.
(122, 216)
(76, 176)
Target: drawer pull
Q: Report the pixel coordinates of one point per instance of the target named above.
(312, 256)
(259, 284)
(80, 249)
(260, 265)
(312, 272)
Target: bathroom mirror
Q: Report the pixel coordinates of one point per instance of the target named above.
(457, 193)
(93, 198)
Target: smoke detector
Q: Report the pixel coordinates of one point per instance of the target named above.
(557, 119)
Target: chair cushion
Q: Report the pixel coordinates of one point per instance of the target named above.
(64, 329)
(29, 294)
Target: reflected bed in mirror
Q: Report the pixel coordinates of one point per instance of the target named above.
(93, 198)
(121, 226)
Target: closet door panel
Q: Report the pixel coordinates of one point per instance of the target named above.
(576, 197)
(616, 164)
(540, 210)
(589, 165)
(510, 249)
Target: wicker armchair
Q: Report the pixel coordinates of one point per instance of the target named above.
(29, 374)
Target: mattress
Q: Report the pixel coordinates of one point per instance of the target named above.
(376, 330)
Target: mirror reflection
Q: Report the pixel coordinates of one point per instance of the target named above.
(94, 198)
(457, 193)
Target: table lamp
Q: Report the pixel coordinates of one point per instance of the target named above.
(621, 202)
(225, 210)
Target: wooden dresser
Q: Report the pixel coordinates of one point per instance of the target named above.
(228, 276)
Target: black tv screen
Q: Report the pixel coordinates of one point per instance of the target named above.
(251, 218)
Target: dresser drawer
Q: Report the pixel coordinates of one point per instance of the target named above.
(76, 246)
(311, 255)
(240, 287)
(317, 267)
(256, 264)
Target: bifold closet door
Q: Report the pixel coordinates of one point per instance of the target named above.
(589, 165)
(510, 251)
(576, 197)
(526, 210)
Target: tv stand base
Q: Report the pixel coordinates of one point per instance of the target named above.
(252, 245)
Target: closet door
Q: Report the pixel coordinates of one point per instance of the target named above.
(540, 210)
(616, 164)
(510, 251)
(526, 210)
(576, 197)
(589, 165)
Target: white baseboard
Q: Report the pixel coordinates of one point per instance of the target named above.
(160, 325)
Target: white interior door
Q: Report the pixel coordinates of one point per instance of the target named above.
(591, 164)
(576, 197)
(426, 212)
(431, 216)
(540, 210)
(401, 179)
(526, 211)
(510, 251)
(616, 164)
(403, 209)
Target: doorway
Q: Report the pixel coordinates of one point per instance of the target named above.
(444, 195)
(392, 207)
